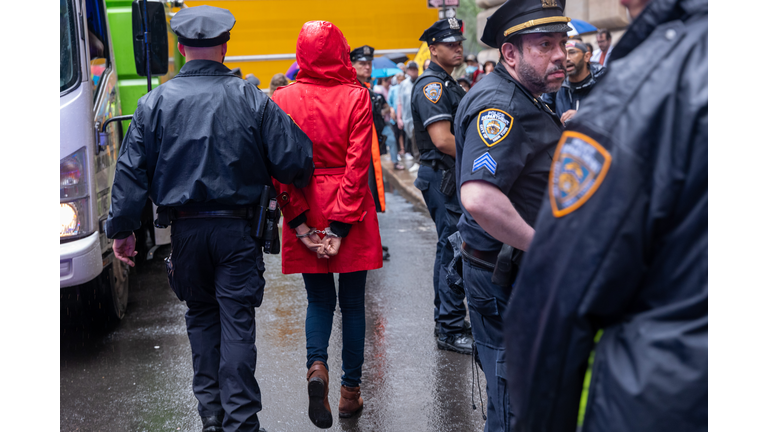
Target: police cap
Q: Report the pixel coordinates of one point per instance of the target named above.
(363, 53)
(202, 26)
(447, 30)
(517, 17)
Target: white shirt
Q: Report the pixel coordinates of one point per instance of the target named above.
(596, 56)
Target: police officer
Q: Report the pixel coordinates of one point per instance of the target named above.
(362, 61)
(505, 140)
(202, 147)
(434, 101)
(621, 245)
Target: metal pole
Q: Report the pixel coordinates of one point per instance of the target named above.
(444, 8)
(146, 46)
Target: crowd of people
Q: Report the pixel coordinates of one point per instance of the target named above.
(610, 176)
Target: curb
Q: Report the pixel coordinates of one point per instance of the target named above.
(402, 180)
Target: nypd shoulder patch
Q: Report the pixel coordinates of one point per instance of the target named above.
(433, 91)
(493, 125)
(485, 161)
(578, 168)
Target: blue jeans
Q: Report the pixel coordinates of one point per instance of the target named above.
(321, 297)
(445, 212)
(487, 304)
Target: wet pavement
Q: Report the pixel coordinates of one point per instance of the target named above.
(137, 376)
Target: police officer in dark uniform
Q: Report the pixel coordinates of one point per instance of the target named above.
(362, 61)
(434, 101)
(621, 247)
(505, 140)
(202, 147)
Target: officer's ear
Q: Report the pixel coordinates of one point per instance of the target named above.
(182, 49)
(510, 54)
(432, 50)
(224, 49)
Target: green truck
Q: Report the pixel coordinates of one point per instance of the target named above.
(130, 85)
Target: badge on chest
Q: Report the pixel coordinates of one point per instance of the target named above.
(493, 125)
(433, 91)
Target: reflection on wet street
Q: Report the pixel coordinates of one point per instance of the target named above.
(138, 375)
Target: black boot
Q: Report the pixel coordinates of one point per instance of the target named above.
(455, 342)
(213, 423)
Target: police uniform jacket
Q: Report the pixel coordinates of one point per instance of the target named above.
(338, 194)
(622, 246)
(505, 137)
(435, 97)
(204, 138)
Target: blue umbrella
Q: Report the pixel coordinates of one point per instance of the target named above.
(384, 63)
(385, 72)
(580, 27)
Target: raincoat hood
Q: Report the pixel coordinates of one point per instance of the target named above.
(322, 53)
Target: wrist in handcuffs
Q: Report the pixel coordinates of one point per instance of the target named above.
(327, 231)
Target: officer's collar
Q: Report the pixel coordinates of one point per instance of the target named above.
(502, 70)
(436, 67)
(365, 84)
(204, 67)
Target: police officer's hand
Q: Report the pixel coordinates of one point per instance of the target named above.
(332, 245)
(125, 249)
(567, 115)
(313, 242)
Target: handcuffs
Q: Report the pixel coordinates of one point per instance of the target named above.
(327, 231)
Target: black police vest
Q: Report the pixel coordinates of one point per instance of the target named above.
(454, 92)
(377, 103)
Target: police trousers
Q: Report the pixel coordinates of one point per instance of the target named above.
(217, 269)
(487, 304)
(445, 212)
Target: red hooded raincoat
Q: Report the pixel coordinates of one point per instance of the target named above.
(334, 110)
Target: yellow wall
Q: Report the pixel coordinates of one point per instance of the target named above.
(272, 26)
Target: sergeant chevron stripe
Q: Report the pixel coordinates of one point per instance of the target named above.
(485, 161)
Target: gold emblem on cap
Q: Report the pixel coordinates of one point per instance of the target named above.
(455, 24)
(548, 3)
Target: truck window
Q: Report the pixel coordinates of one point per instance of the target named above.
(68, 76)
(98, 41)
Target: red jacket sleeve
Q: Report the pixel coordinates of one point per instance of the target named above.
(291, 200)
(354, 185)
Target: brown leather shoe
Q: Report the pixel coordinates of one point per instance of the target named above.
(317, 387)
(350, 402)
